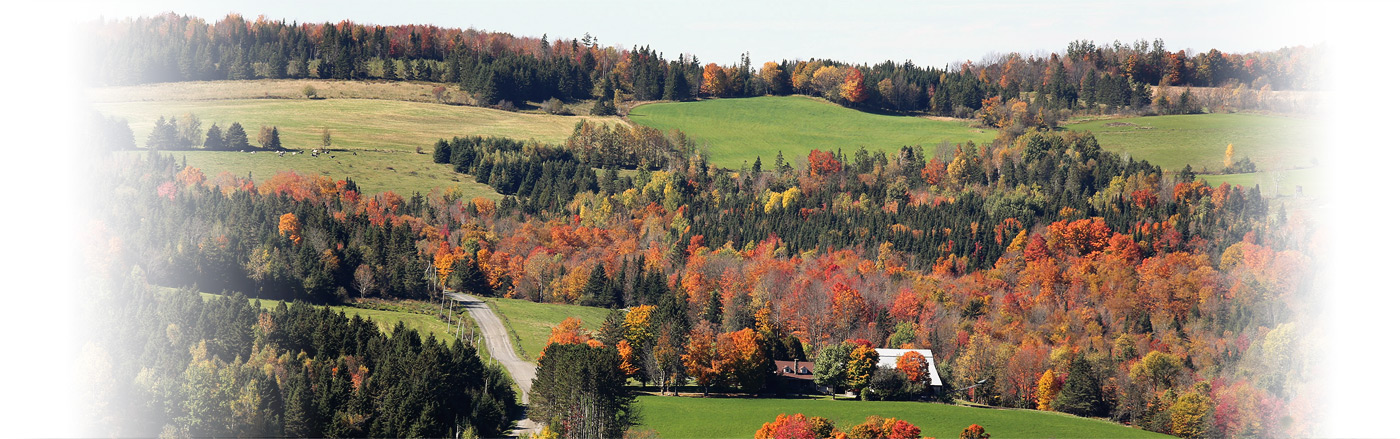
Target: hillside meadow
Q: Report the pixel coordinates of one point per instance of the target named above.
(380, 127)
(1172, 142)
(734, 131)
(531, 321)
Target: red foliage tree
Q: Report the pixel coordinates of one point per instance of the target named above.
(821, 163)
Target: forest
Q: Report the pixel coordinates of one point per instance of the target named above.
(1152, 283)
(496, 68)
(1042, 271)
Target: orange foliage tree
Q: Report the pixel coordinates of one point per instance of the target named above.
(569, 331)
(629, 359)
(876, 427)
(742, 361)
(797, 426)
(974, 431)
(714, 82)
(290, 227)
(853, 88)
(914, 366)
(444, 258)
(700, 358)
(1086, 236)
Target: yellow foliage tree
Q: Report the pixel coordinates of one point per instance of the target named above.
(1229, 154)
(1046, 390)
(1189, 415)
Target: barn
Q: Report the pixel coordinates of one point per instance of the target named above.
(890, 357)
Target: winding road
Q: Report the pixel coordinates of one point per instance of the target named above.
(498, 342)
(499, 346)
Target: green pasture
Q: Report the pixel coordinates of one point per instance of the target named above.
(402, 172)
(377, 140)
(734, 131)
(532, 321)
(1172, 142)
(692, 417)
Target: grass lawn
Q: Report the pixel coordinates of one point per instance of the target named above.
(741, 417)
(532, 321)
(1172, 142)
(737, 130)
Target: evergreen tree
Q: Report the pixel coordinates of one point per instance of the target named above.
(595, 292)
(214, 140)
(468, 278)
(390, 70)
(236, 139)
(1082, 394)
(581, 388)
(164, 135)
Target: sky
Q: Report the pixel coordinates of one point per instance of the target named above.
(930, 33)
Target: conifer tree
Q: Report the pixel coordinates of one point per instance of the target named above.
(236, 138)
(214, 140)
(1081, 394)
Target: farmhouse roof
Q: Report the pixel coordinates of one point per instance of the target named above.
(890, 357)
(801, 370)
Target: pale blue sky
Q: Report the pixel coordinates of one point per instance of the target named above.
(929, 33)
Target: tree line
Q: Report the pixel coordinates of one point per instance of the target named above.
(497, 68)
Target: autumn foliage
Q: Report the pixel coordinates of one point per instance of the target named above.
(914, 366)
(290, 227)
(821, 163)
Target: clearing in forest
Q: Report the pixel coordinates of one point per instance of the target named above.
(736, 130)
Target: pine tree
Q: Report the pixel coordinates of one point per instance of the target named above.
(1081, 394)
(390, 70)
(214, 140)
(236, 138)
(164, 135)
(595, 292)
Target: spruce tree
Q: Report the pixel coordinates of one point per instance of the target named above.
(164, 136)
(595, 292)
(214, 140)
(1082, 394)
(236, 138)
(390, 70)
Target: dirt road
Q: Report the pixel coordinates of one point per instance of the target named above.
(499, 346)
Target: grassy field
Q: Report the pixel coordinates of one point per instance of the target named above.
(414, 91)
(402, 172)
(737, 130)
(385, 320)
(741, 417)
(532, 321)
(1172, 142)
(380, 124)
(1274, 183)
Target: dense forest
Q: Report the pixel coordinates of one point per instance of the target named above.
(496, 68)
